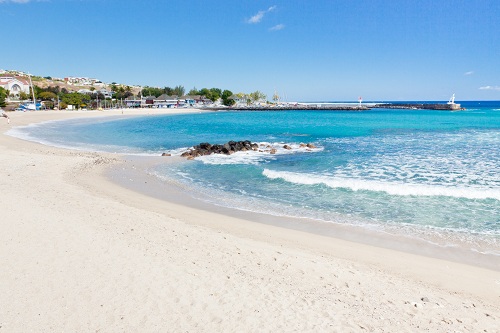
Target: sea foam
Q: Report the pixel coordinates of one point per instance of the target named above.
(392, 188)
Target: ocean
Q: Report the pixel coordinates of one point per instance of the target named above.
(427, 175)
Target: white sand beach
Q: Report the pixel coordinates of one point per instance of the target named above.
(80, 253)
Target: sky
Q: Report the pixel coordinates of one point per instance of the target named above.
(305, 50)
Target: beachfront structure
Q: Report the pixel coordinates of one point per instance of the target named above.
(132, 102)
(166, 101)
(15, 86)
(195, 100)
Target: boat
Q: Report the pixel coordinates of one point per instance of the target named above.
(32, 106)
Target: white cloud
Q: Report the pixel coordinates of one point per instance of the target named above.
(469, 73)
(277, 27)
(257, 17)
(497, 88)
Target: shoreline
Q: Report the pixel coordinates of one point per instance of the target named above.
(130, 174)
(85, 252)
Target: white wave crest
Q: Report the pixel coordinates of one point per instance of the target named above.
(401, 189)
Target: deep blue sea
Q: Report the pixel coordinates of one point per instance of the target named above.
(429, 174)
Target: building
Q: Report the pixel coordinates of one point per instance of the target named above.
(132, 102)
(240, 99)
(105, 93)
(15, 86)
(85, 91)
(195, 100)
(165, 101)
(82, 81)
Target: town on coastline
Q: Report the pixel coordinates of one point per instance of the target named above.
(20, 91)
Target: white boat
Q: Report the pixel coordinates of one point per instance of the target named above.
(33, 106)
(30, 106)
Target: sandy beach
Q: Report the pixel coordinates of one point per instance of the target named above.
(83, 254)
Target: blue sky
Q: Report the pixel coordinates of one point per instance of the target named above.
(306, 50)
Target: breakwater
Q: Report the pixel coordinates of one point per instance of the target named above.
(340, 107)
(419, 106)
(306, 107)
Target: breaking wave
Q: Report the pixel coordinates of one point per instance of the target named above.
(401, 189)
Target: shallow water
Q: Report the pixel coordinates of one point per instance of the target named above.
(431, 175)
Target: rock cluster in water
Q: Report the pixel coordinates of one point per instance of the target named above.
(231, 147)
(228, 148)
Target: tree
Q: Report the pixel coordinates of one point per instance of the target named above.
(257, 96)
(76, 99)
(3, 96)
(151, 91)
(226, 100)
(194, 92)
(213, 94)
(168, 91)
(47, 95)
(54, 89)
(216, 93)
(179, 90)
(23, 96)
(205, 92)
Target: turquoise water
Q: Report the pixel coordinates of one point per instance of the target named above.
(430, 174)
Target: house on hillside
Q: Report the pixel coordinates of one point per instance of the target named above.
(85, 91)
(105, 93)
(15, 86)
(83, 81)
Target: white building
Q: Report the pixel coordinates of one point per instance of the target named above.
(15, 85)
(105, 93)
(83, 81)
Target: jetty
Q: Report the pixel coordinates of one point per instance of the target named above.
(449, 106)
(299, 106)
(419, 106)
